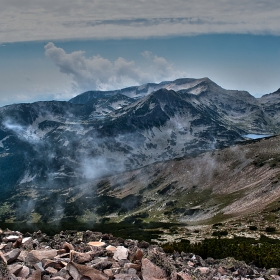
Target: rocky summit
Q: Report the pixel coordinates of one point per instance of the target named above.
(97, 256)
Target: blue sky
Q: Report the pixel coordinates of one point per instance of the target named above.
(58, 49)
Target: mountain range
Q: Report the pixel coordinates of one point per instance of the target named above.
(48, 149)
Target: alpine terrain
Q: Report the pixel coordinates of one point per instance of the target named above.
(175, 152)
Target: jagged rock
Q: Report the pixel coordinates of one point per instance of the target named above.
(63, 273)
(121, 253)
(109, 273)
(15, 268)
(36, 256)
(79, 272)
(80, 258)
(22, 255)
(203, 270)
(36, 275)
(12, 255)
(136, 266)
(129, 262)
(39, 266)
(152, 272)
(103, 265)
(57, 264)
(158, 257)
(24, 273)
(183, 276)
(51, 270)
(67, 247)
(7, 247)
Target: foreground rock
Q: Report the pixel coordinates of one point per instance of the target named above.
(96, 256)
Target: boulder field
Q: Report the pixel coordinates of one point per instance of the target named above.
(97, 256)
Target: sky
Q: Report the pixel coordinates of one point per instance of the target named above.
(57, 49)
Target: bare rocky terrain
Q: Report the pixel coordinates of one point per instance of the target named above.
(96, 256)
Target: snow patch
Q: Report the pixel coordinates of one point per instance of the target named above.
(27, 178)
(1, 142)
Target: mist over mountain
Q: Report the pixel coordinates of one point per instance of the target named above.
(53, 146)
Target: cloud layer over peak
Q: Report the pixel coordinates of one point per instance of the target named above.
(100, 73)
(50, 20)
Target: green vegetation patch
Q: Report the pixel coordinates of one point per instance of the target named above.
(263, 253)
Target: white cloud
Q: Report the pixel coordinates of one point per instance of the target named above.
(100, 73)
(161, 68)
(72, 19)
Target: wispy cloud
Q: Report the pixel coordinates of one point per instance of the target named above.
(100, 73)
(41, 20)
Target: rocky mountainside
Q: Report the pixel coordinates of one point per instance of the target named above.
(53, 150)
(96, 256)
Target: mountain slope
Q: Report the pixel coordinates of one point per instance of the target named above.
(215, 186)
(56, 145)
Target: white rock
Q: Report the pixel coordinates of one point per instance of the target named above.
(12, 237)
(121, 253)
(26, 239)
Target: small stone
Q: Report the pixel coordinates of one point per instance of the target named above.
(22, 255)
(103, 265)
(39, 266)
(152, 272)
(63, 273)
(51, 270)
(121, 253)
(96, 244)
(36, 256)
(12, 238)
(111, 248)
(221, 270)
(108, 272)
(26, 240)
(203, 270)
(24, 273)
(67, 247)
(57, 264)
(189, 263)
(12, 255)
(15, 268)
(78, 271)
(131, 271)
(80, 258)
(136, 266)
(36, 275)
(184, 276)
